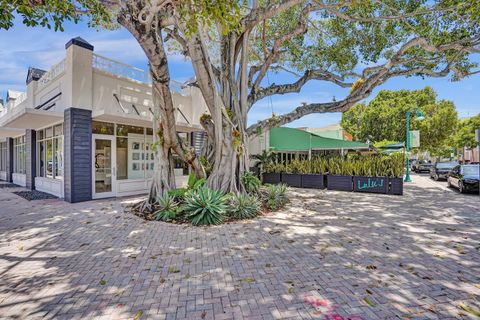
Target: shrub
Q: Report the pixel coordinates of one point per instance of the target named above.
(274, 167)
(244, 206)
(168, 208)
(319, 165)
(178, 193)
(299, 166)
(274, 196)
(192, 184)
(205, 206)
(250, 182)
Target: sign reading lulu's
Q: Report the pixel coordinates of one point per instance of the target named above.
(370, 184)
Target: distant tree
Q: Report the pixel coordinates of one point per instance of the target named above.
(465, 135)
(384, 118)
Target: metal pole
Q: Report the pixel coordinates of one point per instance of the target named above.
(477, 137)
(407, 140)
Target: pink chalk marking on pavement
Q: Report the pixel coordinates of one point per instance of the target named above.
(329, 315)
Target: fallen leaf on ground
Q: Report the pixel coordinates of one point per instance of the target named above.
(249, 280)
(469, 309)
(138, 315)
(173, 270)
(369, 302)
(103, 282)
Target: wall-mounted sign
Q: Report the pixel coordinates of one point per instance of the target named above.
(414, 138)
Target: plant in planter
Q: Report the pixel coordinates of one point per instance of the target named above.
(272, 174)
(340, 173)
(292, 177)
(396, 165)
(263, 159)
(314, 177)
(370, 174)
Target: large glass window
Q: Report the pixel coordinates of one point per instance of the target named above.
(103, 128)
(3, 156)
(19, 158)
(133, 161)
(134, 150)
(50, 152)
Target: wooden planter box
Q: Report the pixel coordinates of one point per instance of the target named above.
(341, 183)
(370, 184)
(292, 179)
(396, 186)
(271, 178)
(316, 181)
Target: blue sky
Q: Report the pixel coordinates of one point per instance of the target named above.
(22, 47)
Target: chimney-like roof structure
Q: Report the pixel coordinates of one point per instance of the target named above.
(34, 74)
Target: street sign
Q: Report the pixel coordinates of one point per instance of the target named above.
(414, 138)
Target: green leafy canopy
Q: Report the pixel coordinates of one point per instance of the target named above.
(384, 118)
(54, 13)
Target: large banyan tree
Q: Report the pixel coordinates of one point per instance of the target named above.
(234, 45)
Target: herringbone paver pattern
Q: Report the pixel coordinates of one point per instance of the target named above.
(326, 253)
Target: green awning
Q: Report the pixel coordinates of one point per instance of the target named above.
(289, 139)
(399, 145)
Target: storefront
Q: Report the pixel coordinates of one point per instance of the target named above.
(123, 159)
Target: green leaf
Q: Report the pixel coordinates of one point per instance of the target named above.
(369, 302)
(138, 315)
(469, 309)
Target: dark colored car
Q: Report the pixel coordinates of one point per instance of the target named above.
(440, 170)
(422, 166)
(465, 178)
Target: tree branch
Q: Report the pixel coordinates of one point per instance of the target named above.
(378, 75)
(297, 86)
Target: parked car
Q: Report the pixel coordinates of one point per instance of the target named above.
(465, 178)
(440, 170)
(422, 166)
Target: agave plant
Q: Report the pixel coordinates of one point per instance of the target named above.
(274, 196)
(168, 208)
(205, 206)
(244, 206)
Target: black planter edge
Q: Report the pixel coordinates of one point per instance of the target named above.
(331, 185)
(289, 179)
(320, 185)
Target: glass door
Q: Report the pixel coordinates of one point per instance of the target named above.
(104, 175)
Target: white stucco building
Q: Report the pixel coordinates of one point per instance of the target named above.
(83, 129)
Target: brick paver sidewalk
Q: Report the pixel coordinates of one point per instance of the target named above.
(374, 256)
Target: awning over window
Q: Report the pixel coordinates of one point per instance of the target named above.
(289, 139)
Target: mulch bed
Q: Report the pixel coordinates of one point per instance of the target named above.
(34, 195)
(8, 185)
